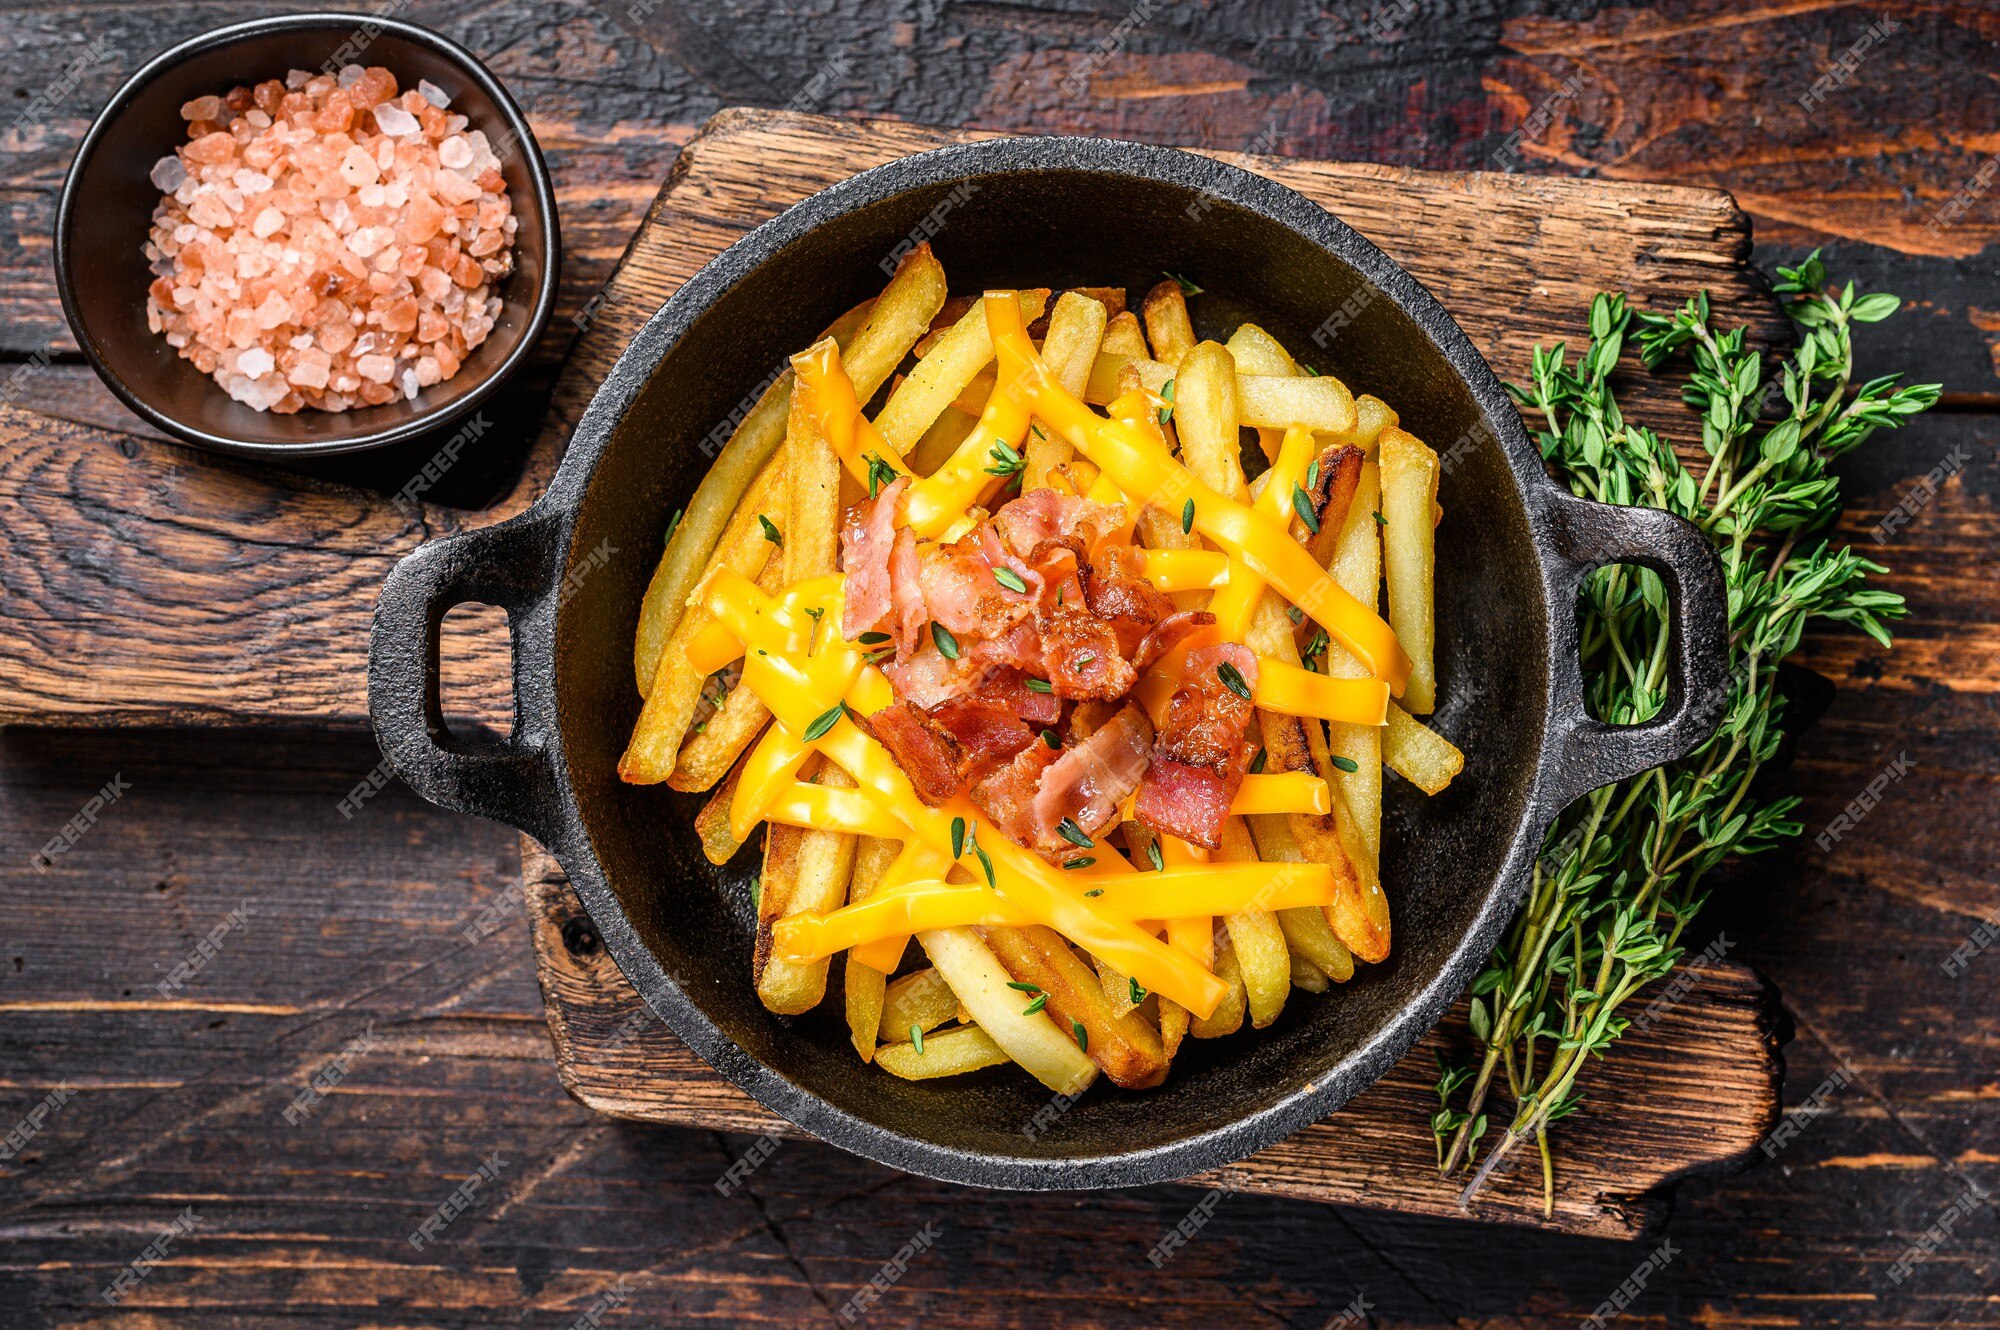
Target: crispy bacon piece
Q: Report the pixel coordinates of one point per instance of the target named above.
(960, 591)
(867, 536)
(986, 733)
(1202, 750)
(1043, 515)
(1007, 795)
(1088, 782)
(908, 613)
(927, 754)
(1168, 633)
(1117, 592)
(1080, 652)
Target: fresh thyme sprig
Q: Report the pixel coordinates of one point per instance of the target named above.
(1620, 875)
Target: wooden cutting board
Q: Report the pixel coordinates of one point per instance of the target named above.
(143, 583)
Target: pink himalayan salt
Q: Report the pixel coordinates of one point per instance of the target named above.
(325, 242)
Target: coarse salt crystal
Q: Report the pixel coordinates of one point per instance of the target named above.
(167, 174)
(294, 265)
(433, 94)
(358, 168)
(394, 121)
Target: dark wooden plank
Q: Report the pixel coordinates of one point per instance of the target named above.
(230, 594)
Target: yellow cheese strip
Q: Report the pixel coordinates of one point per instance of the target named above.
(1277, 792)
(712, 648)
(1281, 792)
(772, 765)
(828, 808)
(1241, 593)
(1190, 890)
(798, 697)
(831, 397)
(1168, 570)
(1302, 692)
(917, 862)
(941, 498)
(1147, 473)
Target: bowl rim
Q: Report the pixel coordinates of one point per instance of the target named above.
(417, 426)
(571, 841)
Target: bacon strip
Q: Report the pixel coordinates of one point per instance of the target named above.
(1043, 515)
(1202, 751)
(926, 753)
(1088, 782)
(867, 536)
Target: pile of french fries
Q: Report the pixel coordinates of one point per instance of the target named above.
(768, 514)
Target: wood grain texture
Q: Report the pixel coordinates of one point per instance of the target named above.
(230, 594)
(1708, 1067)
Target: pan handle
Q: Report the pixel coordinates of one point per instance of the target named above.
(1582, 753)
(513, 565)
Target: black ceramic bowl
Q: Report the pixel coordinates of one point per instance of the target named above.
(1044, 212)
(107, 207)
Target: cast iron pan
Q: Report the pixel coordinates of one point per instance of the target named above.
(1041, 212)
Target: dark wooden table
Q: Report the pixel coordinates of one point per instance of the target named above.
(340, 944)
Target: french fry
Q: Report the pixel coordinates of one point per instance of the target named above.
(920, 1001)
(865, 988)
(953, 361)
(1117, 988)
(655, 746)
(1228, 1016)
(941, 440)
(1123, 337)
(1111, 297)
(1419, 754)
(1125, 1046)
(1256, 939)
(1409, 490)
(976, 975)
(718, 842)
(1321, 404)
(1342, 471)
(1167, 325)
(708, 755)
(806, 871)
(1357, 566)
(1076, 329)
(1372, 415)
(946, 1053)
(1206, 412)
(1310, 938)
(1308, 976)
(812, 494)
(1257, 352)
(902, 314)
